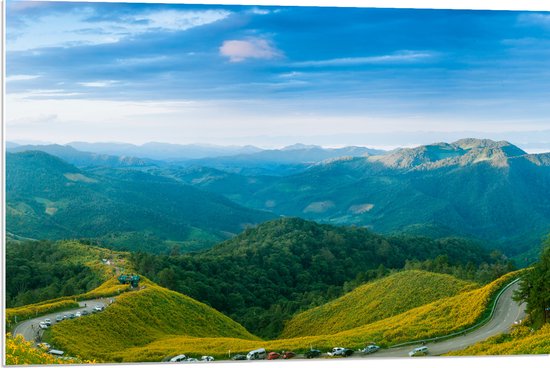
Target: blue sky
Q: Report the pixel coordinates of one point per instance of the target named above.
(273, 76)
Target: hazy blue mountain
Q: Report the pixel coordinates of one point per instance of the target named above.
(47, 198)
(285, 161)
(163, 151)
(86, 159)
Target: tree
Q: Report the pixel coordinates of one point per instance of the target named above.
(535, 288)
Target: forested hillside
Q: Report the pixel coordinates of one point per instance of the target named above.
(48, 198)
(266, 274)
(45, 270)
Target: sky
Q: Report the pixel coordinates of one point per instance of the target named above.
(274, 76)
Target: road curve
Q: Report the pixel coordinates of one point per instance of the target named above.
(30, 330)
(507, 311)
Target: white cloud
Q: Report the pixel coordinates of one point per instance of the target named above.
(69, 29)
(181, 20)
(396, 58)
(98, 84)
(21, 77)
(260, 11)
(252, 48)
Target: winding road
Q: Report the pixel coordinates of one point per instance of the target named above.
(30, 330)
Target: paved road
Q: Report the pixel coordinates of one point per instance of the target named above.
(29, 328)
(507, 312)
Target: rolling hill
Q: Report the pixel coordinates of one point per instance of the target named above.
(375, 301)
(263, 276)
(140, 317)
(195, 329)
(47, 198)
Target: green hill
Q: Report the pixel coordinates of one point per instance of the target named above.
(438, 318)
(265, 275)
(48, 198)
(140, 317)
(375, 301)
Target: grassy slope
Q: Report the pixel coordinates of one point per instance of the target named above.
(521, 340)
(151, 324)
(375, 301)
(19, 351)
(141, 317)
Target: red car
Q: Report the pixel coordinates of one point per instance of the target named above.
(273, 355)
(289, 354)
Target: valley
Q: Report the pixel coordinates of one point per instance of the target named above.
(282, 249)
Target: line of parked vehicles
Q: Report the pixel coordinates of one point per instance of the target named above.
(260, 354)
(48, 322)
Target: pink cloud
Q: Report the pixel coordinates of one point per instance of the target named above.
(253, 48)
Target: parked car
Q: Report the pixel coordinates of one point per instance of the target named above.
(239, 357)
(423, 350)
(59, 318)
(85, 312)
(207, 358)
(192, 360)
(371, 349)
(273, 355)
(43, 325)
(48, 322)
(56, 352)
(71, 315)
(256, 354)
(99, 307)
(65, 316)
(340, 352)
(288, 354)
(78, 314)
(179, 358)
(312, 353)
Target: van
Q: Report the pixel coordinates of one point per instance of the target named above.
(423, 350)
(256, 354)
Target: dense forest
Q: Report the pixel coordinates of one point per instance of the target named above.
(42, 270)
(265, 275)
(535, 289)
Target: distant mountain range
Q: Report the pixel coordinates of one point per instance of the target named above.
(248, 160)
(480, 188)
(492, 191)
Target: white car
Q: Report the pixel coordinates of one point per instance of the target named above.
(423, 350)
(207, 358)
(371, 349)
(78, 314)
(99, 308)
(179, 358)
(43, 325)
(340, 352)
(48, 322)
